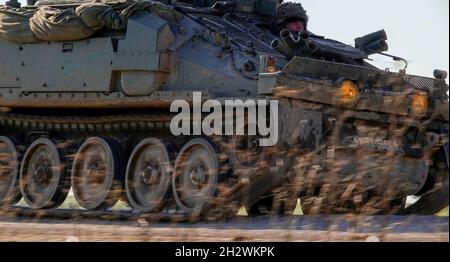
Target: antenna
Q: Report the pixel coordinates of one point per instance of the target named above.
(397, 59)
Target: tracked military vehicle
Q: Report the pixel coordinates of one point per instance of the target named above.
(93, 114)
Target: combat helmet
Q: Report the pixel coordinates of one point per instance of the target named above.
(289, 12)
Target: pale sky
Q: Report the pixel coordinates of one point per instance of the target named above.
(418, 30)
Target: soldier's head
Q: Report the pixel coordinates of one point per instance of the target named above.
(292, 16)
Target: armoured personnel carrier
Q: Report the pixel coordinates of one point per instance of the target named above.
(94, 114)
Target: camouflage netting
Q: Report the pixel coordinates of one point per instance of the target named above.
(115, 16)
(60, 2)
(48, 23)
(15, 26)
(51, 24)
(98, 15)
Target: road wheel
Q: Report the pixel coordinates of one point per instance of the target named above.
(97, 173)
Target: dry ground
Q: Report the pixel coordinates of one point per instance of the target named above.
(12, 231)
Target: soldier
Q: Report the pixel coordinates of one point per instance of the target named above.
(293, 17)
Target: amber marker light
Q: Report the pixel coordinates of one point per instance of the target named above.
(348, 92)
(419, 103)
(271, 64)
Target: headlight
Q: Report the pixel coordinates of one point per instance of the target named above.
(348, 93)
(419, 103)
